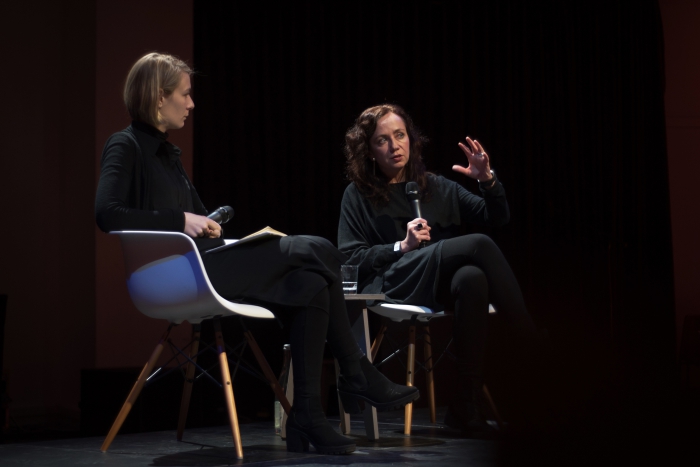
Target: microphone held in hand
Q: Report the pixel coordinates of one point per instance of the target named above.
(413, 196)
(221, 215)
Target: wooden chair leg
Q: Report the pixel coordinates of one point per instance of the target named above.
(410, 367)
(135, 391)
(499, 421)
(189, 379)
(360, 328)
(370, 413)
(344, 417)
(290, 399)
(265, 367)
(378, 340)
(428, 355)
(228, 389)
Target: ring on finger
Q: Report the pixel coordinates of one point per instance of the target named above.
(419, 226)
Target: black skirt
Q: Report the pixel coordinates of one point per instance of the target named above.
(285, 271)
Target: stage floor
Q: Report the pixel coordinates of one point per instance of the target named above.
(428, 445)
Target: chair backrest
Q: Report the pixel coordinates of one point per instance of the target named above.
(167, 280)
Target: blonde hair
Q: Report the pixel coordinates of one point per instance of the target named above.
(152, 74)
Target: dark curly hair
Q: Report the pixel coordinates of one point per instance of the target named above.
(360, 170)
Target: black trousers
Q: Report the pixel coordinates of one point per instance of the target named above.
(473, 273)
(298, 279)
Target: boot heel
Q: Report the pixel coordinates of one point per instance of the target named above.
(296, 442)
(350, 403)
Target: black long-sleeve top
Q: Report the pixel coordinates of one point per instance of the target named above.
(367, 234)
(143, 185)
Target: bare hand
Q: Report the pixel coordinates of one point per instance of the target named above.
(417, 231)
(197, 226)
(479, 167)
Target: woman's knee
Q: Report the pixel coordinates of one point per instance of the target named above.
(468, 245)
(481, 242)
(321, 301)
(469, 280)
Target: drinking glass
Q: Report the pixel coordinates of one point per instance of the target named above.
(349, 274)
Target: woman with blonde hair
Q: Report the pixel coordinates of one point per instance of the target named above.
(143, 186)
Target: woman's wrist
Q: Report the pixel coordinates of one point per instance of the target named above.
(489, 182)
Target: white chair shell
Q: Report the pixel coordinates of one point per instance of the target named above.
(166, 279)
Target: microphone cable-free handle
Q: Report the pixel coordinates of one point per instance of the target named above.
(221, 215)
(413, 195)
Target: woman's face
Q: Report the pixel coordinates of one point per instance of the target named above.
(390, 146)
(175, 108)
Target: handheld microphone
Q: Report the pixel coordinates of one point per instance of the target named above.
(221, 215)
(413, 195)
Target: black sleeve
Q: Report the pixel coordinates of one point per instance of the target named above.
(116, 201)
(197, 205)
(490, 210)
(354, 237)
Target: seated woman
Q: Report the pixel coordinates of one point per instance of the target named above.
(380, 233)
(143, 186)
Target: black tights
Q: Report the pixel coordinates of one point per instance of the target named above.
(324, 320)
(474, 273)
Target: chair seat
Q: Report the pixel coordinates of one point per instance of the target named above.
(398, 313)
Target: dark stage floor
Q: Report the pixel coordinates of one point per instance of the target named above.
(428, 445)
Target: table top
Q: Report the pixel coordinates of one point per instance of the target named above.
(364, 296)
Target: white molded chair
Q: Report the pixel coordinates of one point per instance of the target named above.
(423, 315)
(166, 280)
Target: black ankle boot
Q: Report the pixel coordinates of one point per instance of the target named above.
(466, 412)
(374, 388)
(307, 424)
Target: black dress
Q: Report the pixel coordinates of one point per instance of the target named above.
(143, 186)
(367, 234)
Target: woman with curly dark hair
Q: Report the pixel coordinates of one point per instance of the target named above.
(423, 261)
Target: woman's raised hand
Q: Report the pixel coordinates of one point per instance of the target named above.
(478, 167)
(201, 226)
(417, 231)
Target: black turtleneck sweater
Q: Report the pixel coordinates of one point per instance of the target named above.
(142, 183)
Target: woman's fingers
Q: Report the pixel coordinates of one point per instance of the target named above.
(477, 157)
(213, 229)
(200, 226)
(418, 231)
(462, 170)
(472, 145)
(465, 149)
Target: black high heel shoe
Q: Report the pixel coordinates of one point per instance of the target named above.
(307, 424)
(375, 389)
(466, 412)
(467, 417)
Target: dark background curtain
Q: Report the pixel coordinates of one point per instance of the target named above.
(566, 97)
